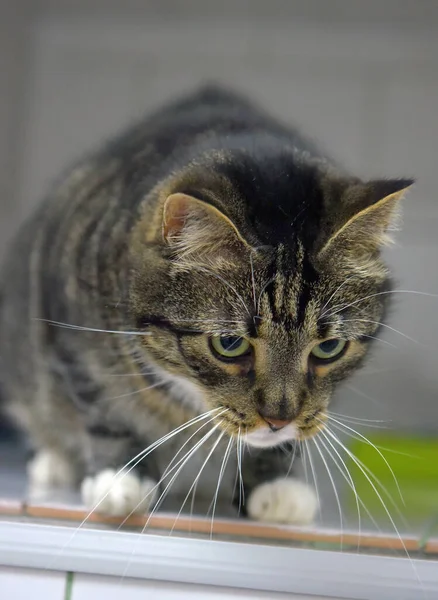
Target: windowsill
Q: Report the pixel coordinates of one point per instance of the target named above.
(235, 564)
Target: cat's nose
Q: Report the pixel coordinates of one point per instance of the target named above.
(276, 424)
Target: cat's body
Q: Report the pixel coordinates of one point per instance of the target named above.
(208, 219)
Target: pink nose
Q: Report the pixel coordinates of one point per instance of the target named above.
(276, 424)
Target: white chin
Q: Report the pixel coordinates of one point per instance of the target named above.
(265, 438)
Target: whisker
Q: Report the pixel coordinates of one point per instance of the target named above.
(253, 283)
(349, 479)
(239, 471)
(292, 460)
(415, 292)
(367, 441)
(122, 472)
(380, 340)
(92, 329)
(195, 482)
(360, 419)
(305, 467)
(350, 482)
(139, 391)
(376, 491)
(341, 520)
(219, 481)
(169, 469)
(184, 461)
(354, 422)
(383, 325)
(306, 446)
(383, 448)
(333, 295)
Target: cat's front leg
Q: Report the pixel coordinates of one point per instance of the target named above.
(119, 481)
(273, 495)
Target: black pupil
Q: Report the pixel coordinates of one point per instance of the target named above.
(230, 342)
(329, 346)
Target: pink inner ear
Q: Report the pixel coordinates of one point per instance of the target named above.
(176, 211)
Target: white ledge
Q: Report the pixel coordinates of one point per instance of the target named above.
(176, 559)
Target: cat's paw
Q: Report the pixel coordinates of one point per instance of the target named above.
(283, 501)
(118, 495)
(48, 470)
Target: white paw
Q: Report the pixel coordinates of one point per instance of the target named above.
(283, 501)
(48, 469)
(118, 495)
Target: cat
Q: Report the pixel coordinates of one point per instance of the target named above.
(208, 272)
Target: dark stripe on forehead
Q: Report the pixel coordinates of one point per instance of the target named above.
(270, 291)
(309, 277)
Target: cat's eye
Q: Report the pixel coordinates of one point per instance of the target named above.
(330, 349)
(229, 346)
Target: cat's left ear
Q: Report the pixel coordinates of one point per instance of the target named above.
(365, 216)
(196, 230)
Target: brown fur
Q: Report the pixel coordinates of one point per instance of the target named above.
(207, 219)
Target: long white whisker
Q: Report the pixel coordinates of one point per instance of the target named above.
(253, 284)
(359, 422)
(360, 419)
(341, 520)
(195, 482)
(349, 481)
(380, 340)
(139, 391)
(361, 465)
(366, 440)
(306, 446)
(305, 466)
(184, 461)
(382, 294)
(219, 481)
(383, 325)
(292, 461)
(239, 477)
(169, 469)
(92, 329)
(383, 448)
(323, 311)
(122, 472)
(376, 491)
(348, 478)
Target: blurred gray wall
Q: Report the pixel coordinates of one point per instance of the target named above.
(361, 77)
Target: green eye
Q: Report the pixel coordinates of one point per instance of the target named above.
(329, 349)
(229, 346)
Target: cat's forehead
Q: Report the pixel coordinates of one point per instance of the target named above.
(291, 301)
(278, 195)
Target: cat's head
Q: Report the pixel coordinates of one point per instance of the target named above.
(260, 282)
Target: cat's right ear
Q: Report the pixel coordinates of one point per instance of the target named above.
(194, 229)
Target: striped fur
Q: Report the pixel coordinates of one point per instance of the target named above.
(275, 243)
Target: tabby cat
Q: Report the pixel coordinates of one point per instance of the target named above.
(208, 273)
